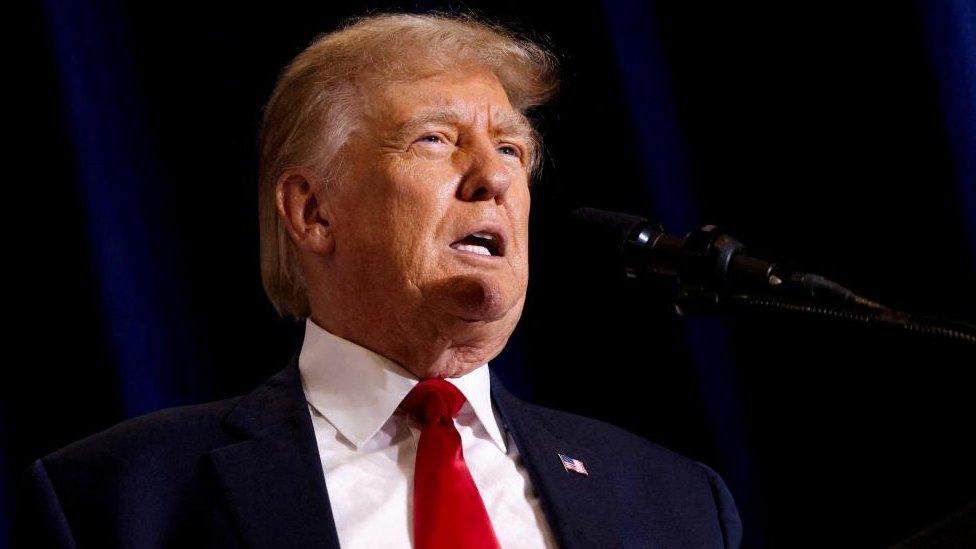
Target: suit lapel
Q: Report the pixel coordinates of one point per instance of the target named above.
(579, 508)
(273, 480)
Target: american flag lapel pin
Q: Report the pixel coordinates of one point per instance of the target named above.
(573, 465)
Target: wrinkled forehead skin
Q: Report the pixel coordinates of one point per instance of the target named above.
(377, 88)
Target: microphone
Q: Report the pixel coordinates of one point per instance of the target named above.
(706, 263)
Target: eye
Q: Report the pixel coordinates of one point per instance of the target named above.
(511, 150)
(433, 144)
(433, 138)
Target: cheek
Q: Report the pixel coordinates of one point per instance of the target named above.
(418, 198)
(518, 211)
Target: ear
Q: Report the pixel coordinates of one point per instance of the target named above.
(301, 205)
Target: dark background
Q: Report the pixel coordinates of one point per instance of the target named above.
(839, 136)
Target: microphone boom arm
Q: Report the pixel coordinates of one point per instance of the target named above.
(712, 272)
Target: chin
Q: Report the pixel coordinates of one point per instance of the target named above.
(482, 298)
(456, 369)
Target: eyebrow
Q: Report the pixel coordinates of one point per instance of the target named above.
(511, 123)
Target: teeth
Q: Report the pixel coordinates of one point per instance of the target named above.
(481, 250)
(483, 235)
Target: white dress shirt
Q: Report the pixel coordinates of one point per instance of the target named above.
(368, 446)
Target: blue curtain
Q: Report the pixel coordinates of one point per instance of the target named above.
(669, 185)
(121, 193)
(951, 32)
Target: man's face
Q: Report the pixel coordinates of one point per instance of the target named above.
(431, 215)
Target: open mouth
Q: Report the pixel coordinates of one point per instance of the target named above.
(481, 243)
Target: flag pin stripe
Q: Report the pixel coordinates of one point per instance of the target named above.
(573, 465)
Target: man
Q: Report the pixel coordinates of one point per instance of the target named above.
(394, 192)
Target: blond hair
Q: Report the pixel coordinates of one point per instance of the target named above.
(314, 107)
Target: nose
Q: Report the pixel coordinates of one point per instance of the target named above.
(487, 176)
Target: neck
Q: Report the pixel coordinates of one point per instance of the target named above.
(422, 350)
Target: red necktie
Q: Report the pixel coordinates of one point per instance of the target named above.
(447, 508)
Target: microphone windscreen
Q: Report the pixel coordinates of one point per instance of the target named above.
(599, 236)
(603, 229)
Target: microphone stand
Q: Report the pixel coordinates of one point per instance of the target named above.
(713, 274)
(709, 280)
(698, 303)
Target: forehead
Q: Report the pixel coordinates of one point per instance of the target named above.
(470, 97)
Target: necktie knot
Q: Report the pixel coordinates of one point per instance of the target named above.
(433, 400)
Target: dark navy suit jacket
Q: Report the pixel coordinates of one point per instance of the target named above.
(245, 472)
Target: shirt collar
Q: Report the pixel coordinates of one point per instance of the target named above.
(357, 390)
